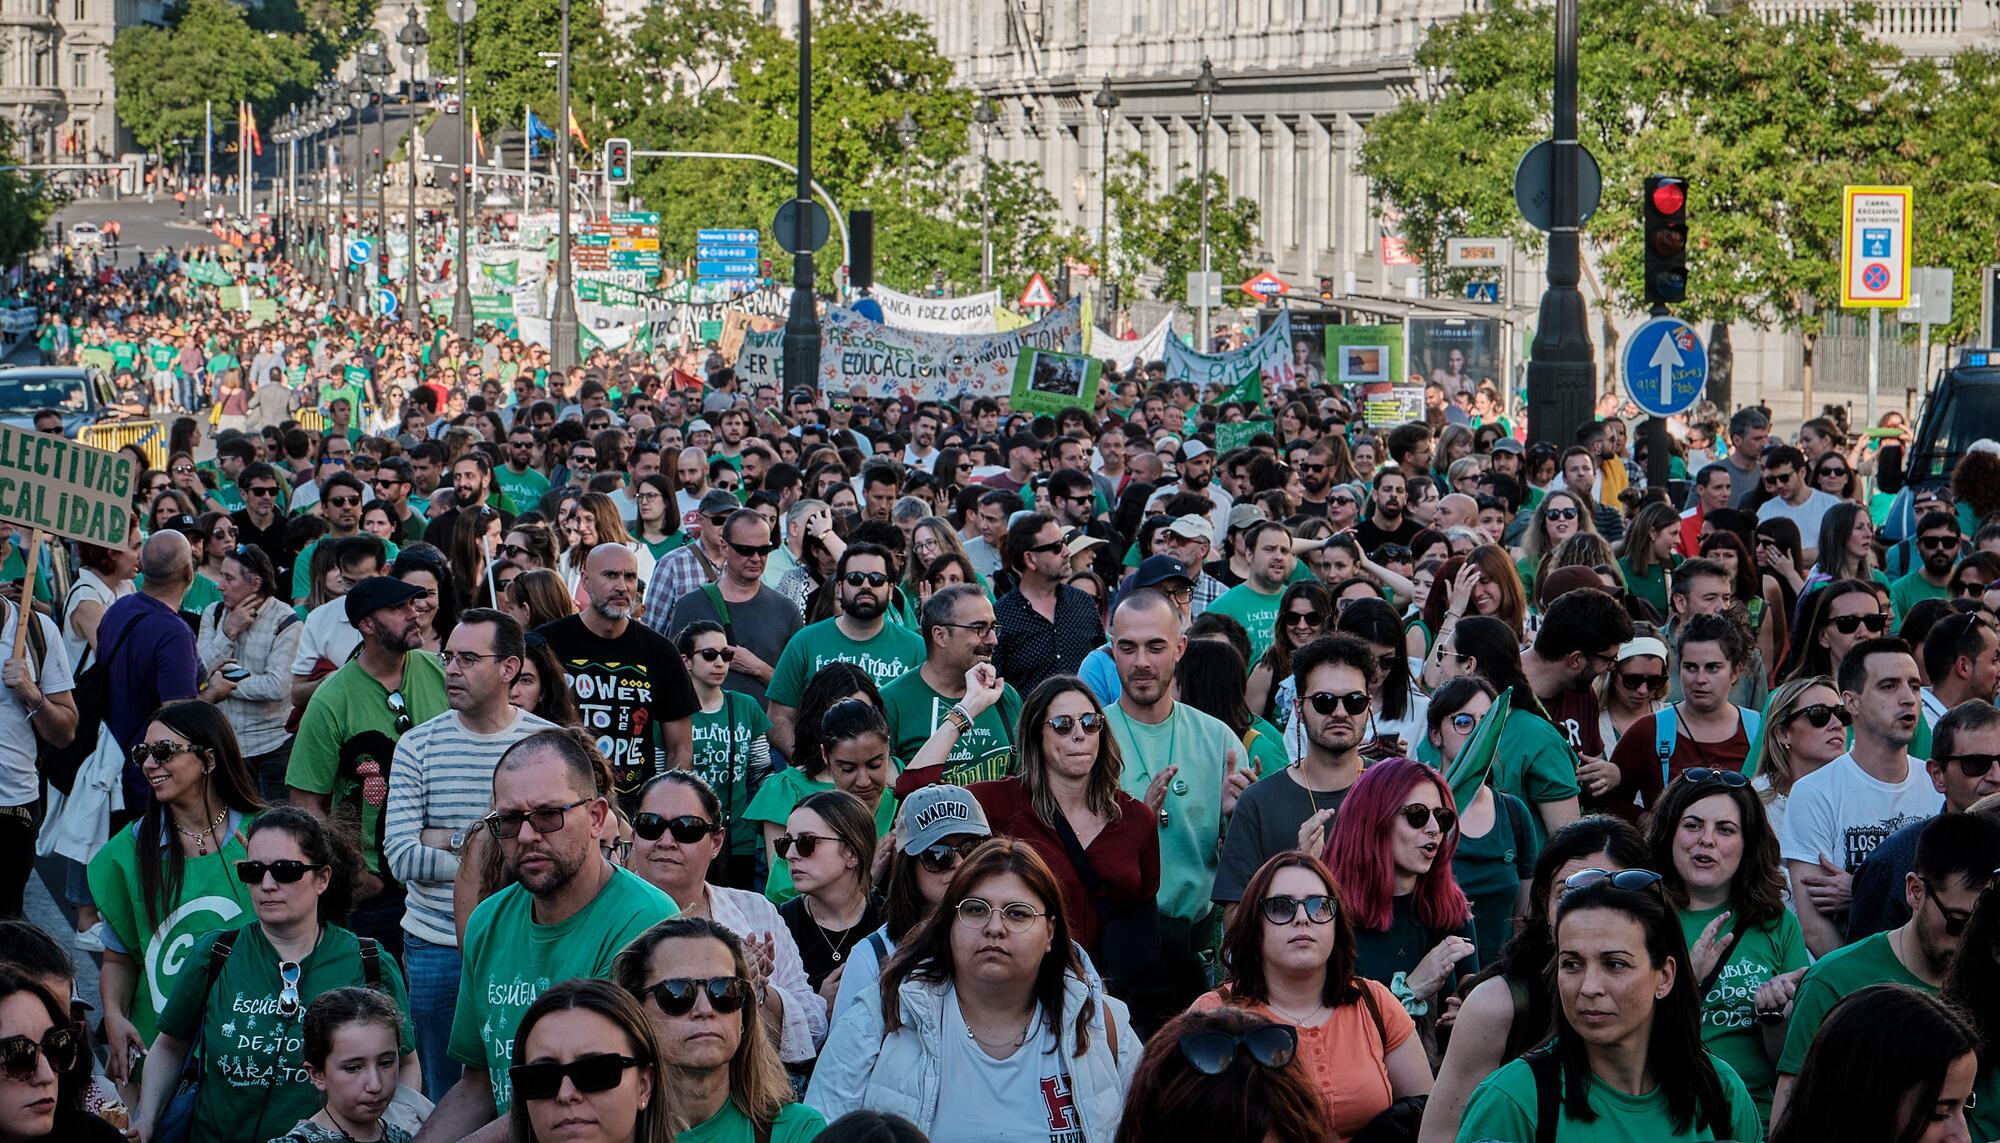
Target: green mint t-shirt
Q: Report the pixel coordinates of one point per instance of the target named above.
(1833, 977)
(347, 739)
(254, 1082)
(1256, 611)
(520, 491)
(780, 794)
(915, 710)
(1200, 745)
(892, 652)
(509, 961)
(1503, 1106)
(796, 1123)
(725, 740)
(1729, 1027)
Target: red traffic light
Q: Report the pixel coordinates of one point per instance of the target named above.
(1669, 197)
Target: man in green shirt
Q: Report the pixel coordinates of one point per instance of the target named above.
(521, 486)
(959, 632)
(858, 634)
(1254, 602)
(566, 915)
(1956, 856)
(1938, 544)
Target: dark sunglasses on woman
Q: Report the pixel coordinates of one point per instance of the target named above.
(20, 1056)
(1849, 624)
(1420, 815)
(687, 828)
(593, 1073)
(676, 995)
(1819, 714)
(283, 872)
(944, 857)
(1282, 908)
(803, 844)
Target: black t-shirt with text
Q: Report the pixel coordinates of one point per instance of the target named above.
(622, 688)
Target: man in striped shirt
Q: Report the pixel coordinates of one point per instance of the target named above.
(439, 788)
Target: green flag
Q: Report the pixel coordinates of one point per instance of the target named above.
(1475, 758)
(1251, 389)
(502, 273)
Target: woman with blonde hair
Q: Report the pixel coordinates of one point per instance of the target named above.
(1562, 514)
(1805, 727)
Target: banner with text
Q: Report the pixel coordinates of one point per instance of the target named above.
(1270, 355)
(69, 489)
(974, 314)
(887, 362)
(1131, 355)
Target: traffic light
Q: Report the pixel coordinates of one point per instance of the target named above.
(1665, 213)
(1325, 288)
(618, 162)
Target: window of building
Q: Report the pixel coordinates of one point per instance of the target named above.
(80, 9)
(79, 69)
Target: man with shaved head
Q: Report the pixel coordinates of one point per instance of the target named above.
(148, 650)
(1456, 511)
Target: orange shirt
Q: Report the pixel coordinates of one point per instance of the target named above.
(1344, 1056)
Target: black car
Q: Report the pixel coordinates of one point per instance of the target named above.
(1963, 407)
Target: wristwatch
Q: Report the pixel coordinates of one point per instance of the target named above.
(457, 841)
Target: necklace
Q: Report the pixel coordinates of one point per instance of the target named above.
(1301, 1021)
(1027, 1026)
(839, 951)
(1129, 743)
(201, 837)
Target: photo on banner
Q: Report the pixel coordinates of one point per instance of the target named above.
(1046, 382)
(1459, 353)
(1365, 354)
(1309, 349)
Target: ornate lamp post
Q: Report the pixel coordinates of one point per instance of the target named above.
(461, 13)
(906, 133)
(1206, 87)
(1106, 101)
(414, 40)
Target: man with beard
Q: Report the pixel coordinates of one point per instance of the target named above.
(1316, 477)
(1938, 543)
(1387, 523)
(471, 488)
(1046, 626)
(340, 502)
(1254, 602)
(858, 634)
(566, 915)
(1072, 499)
(1335, 677)
(1183, 764)
(630, 685)
(959, 635)
(922, 451)
(521, 483)
(342, 755)
(1197, 472)
(758, 620)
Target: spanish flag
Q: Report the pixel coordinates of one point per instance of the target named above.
(577, 131)
(478, 140)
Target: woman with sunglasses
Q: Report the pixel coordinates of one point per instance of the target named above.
(1719, 864)
(300, 874)
(532, 545)
(1629, 691)
(1805, 728)
(190, 831)
(1837, 616)
(39, 1049)
(985, 1004)
(829, 846)
(840, 713)
(247, 643)
(1304, 610)
(1835, 477)
(1290, 949)
(1627, 1049)
(699, 986)
(586, 1066)
(1496, 842)
(677, 835)
(1101, 844)
(1390, 850)
(731, 751)
(1704, 729)
(1562, 514)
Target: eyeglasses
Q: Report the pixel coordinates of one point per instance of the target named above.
(1419, 816)
(944, 857)
(288, 992)
(20, 1057)
(1733, 779)
(711, 654)
(687, 828)
(161, 752)
(1559, 514)
(804, 844)
(1819, 714)
(1272, 1046)
(283, 872)
(1017, 916)
(1304, 618)
(1631, 880)
(1641, 682)
(979, 630)
(1353, 702)
(1849, 624)
(676, 995)
(1090, 721)
(401, 710)
(865, 579)
(751, 551)
(1970, 765)
(464, 658)
(1282, 908)
(1955, 920)
(546, 820)
(593, 1073)
(1937, 543)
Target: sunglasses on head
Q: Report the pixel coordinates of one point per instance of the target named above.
(864, 579)
(1272, 1046)
(1697, 775)
(1819, 714)
(944, 857)
(1419, 816)
(1353, 702)
(1627, 879)
(20, 1057)
(803, 844)
(1849, 624)
(1283, 908)
(592, 1073)
(687, 828)
(676, 995)
(283, 872)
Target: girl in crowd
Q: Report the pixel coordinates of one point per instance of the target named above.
(865, 771)
(1719, 862)
(1846, 548)
(1649, 560)
(300, 874)
(1562, 514)
(1290, 948)
(731, 750)
(700, 987)
(598, 522)
(1889, 1063)
(539, 689)
(191, 835)
(538, 597)
(1835, 477)
(1533, 761)
(1805, 727)
(437, 607)
(1304, 611)
(1206, 680)
(1630, 691)
(829, 846)
(676, 838)
(657, 527)
(1837, 616)
(586, 1056)
(1481, 583)
(247, 643)
(985, 1002)
(1762, 599)
(379, 521)
(39, 1047)
(1101, 844)
(1627, 1044)
(530, 545)
(218, 534)
(475, 541)
(1390, 850)
(1510, 1007)
(1703, 730)
(1398, 718)
(1496, 839)
(351, 1056)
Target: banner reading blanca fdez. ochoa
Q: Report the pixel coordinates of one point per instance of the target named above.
(60, 486)
(887, 362)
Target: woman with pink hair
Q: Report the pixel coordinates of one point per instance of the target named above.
(1391, 851)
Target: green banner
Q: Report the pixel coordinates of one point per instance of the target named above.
(1232, 435)
(1250, 389)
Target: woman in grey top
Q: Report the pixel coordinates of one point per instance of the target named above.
(247, 644)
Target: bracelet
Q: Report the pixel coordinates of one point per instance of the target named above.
(958, 717)
(39, 708)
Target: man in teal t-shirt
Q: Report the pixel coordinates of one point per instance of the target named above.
(566, 916)
(858, 634)
(1254, 602)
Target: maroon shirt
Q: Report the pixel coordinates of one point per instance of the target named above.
(1125, 854)
(1640, 777)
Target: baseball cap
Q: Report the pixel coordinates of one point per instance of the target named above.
(716, 502)
(1023, 440)
(1507, 444)
(1244, 515)
(377, 592)
(934, 813)
(1192, 527)
(699, 426)
(1194, 448)
(185, 524)
(1156, 570)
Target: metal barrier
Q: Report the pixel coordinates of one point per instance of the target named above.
(311, 420)
(114, 435)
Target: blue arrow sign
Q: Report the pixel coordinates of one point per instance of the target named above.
(1666, 366)
(726, 269)
(387, 300)
(727, 237)
(708, 253)
(360, 252)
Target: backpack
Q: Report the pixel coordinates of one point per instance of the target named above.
(1666, 726)
(58, 765)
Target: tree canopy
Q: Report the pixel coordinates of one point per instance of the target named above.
(208, 52)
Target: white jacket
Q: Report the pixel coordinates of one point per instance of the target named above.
(899, 1073)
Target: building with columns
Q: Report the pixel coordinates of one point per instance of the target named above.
(56, 88)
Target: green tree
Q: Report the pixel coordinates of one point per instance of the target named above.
(330, 27)
(1156, 238)
(167, 76)
(27, 202)
(504, 70)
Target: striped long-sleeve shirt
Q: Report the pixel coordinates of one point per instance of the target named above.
(442, 778)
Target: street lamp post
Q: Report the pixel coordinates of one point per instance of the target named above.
(461, 13)
(562, 326)
(1561, 375)
(986, 116)
(342, 288)
(802, 323)
(359, 96)
(414, 39)
(375, 69)
(1106, 101)
(1206, 87)
(906, 133)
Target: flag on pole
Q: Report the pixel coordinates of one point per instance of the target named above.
(577, 131)
(478, 140)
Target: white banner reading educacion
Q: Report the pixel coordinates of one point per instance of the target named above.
(1270, 355)
(887, 362)
(972, 314)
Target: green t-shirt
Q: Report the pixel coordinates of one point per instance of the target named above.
(1267, 748)
(521, 491)
(1503, 1107)
(1729, 1027)
(915, 710)
(1913, 589)
(162, 356)
(1256, 611)
(302, 564)
(254, 1083)
(796, 1123)
(157, 940)
(347, 738)
(202, 594)
(1200, 745)
(660, 548)
(723, 740)
(1650, 585)
(124, 355)
(353, 378)
(510, 961)
(14, 565)
(1843, 971)
(1490, 869)
(780, 794)
(892, 652)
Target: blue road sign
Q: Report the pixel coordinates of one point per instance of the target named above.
(361, 252)
(1666, 366)
(1482, 291)
(708, 253)
(727, 237)
(725, 269)
(386, 298)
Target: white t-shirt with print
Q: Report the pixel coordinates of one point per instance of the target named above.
(1839, 811)
(1025, 1098)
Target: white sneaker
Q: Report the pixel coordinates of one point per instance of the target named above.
(88, 940)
